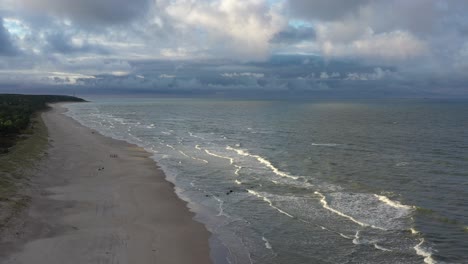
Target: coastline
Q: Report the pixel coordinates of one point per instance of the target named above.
(97, 199)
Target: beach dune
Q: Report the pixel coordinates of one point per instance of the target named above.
(100, 200)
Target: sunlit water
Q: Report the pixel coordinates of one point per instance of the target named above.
(310, 182)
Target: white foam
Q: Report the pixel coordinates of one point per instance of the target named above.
(424, 253)
(181, 152)
(267, 243)
(324, 144)
(195, 136)
(414, 231)
(356, 238)
(264, 162)
(198, 147)
(238, 182)
(202, 160)
(194, 158)
(169, 146)
(341, 234)
(231, 160)
(325, 205)
(269, 202)
(238, 168)
(220, 206)
(401, 164)
(395, 204)
(357, 241)
(381, 248)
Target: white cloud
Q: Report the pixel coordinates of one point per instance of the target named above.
(378, 74)
(239, 29)
(243, 74)
(324, 75)
(166, 76)
(391, 47)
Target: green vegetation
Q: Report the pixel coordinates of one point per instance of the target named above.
(16, 111)
(23, 140)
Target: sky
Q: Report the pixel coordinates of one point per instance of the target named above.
(367, 48)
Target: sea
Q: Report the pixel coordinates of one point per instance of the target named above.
(308, 181)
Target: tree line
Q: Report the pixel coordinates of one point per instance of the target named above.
(16, 111)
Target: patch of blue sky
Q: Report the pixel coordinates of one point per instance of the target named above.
(297, 23)
(16, 27)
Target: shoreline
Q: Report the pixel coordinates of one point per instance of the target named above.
(98, 199)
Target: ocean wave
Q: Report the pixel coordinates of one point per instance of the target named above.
(264, 198)
(424, 252)
(401, 164)
(195, 136)
(360, 241)
(220, 206)
(194, 158)
(392, 203)
(267, 243)
(381, 248)
(231, 160)
(368, 210)
(169, 146)
(238, 168)
(323, 201)
(263, 161)
(324, 144)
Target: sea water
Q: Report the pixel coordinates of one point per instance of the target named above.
(370, 181)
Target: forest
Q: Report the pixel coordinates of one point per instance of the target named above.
(16, 111)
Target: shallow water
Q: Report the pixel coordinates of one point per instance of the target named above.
(376, 181)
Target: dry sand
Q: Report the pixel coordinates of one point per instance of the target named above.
(80, 213)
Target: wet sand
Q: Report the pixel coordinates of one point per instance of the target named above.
(99, 200)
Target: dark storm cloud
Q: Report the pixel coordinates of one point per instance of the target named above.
(90, 12)
(60, 43)
(285, 72)
(293, 35)
(325, 9)
(6, 46)
(216, 45)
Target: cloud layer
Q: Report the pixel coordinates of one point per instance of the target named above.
(98, 43)
(6, 46)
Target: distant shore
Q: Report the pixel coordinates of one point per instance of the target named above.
(99, 200)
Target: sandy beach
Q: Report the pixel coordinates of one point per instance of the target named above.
(99, 200)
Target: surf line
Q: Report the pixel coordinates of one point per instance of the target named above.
(424, 253)
(325, 205)
(269, 202)
(231, 160)
(238, 168)
(325, 228)
(356, 242)
(169, 146)
(188, 156)
(263, 161)
(195, 136)
(395, 204)
(267, 243)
